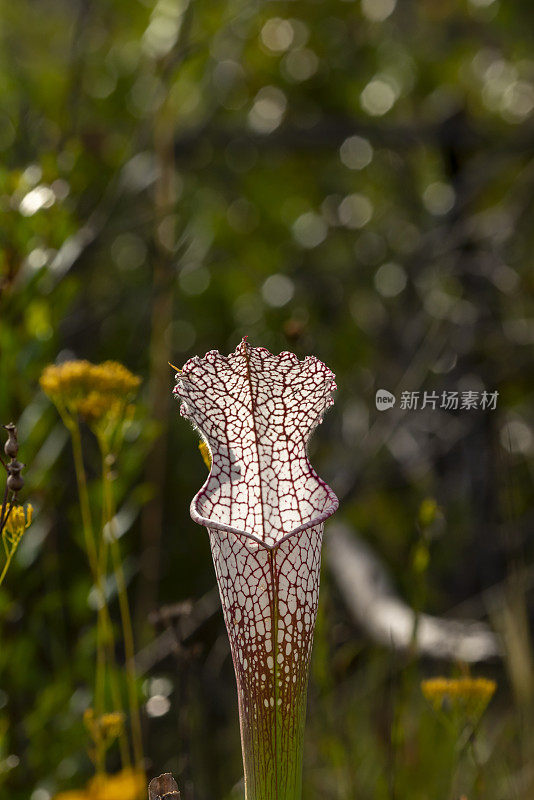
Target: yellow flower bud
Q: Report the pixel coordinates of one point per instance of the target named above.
(17, 522)
(205, 453)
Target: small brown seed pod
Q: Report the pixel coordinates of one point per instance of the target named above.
(15, 481)
(163, 787)
(11, 447)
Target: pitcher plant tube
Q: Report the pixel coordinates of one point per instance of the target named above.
(264, 508)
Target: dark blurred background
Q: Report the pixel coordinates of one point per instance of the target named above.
(352, 180)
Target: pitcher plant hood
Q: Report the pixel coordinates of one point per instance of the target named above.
(256, 412)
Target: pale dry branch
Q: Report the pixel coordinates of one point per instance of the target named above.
(374, 605)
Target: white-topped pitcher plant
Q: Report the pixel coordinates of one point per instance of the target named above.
(264, 507)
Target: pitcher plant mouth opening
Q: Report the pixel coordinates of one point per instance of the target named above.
(264, 507)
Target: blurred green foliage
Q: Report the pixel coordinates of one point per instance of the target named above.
(349, 179)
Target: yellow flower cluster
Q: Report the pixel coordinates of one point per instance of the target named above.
(128, 784)
(107, 727)
(75, 378)
(18, 520)
(470, 695)
(97, 406)
(93, 391)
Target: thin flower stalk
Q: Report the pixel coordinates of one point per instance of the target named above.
(264, 508)
(126, 619)
(100, 395)
(104, 632)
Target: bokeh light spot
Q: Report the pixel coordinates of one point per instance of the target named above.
(277, 34)
(516, 436)
(356, 152)
(390, 279)
(194, 279)
(378, 97)
(278, 290)
(378, 10)
(36, 199)
(268, 110)
(355, 211)
(300, 64)
(158, 705)
(439, 198)
(309, 230)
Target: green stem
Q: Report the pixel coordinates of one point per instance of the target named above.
(6, 567)
(3, 521)
(479, 776)
(110, 639)
(83, 494)
(126, 620)
(104, 629)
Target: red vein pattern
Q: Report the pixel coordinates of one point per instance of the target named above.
(264, 507)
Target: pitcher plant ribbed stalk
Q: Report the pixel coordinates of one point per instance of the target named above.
(264, 508)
